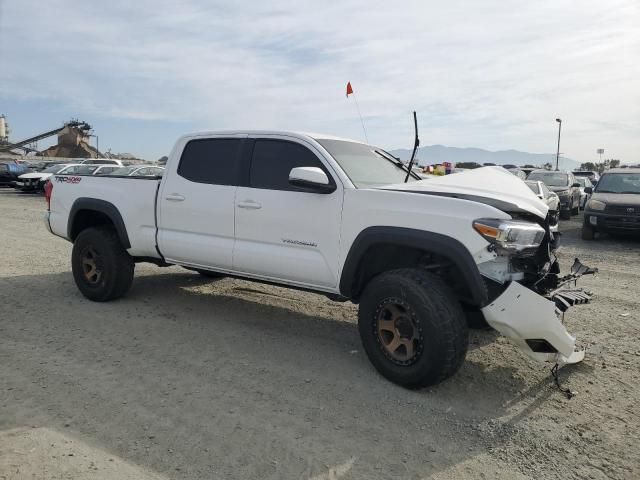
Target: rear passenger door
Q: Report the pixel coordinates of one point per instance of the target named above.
(196, 203)
(283, 232)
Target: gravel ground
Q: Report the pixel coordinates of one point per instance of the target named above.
(193, 378)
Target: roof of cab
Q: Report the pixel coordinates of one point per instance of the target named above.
(301, 135)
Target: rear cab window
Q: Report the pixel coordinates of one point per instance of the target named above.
(211, 160)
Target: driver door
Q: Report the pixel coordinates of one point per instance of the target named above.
(283, 232)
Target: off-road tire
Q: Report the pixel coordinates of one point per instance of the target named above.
(114, 264)
(588, 232)
(436, 314)
(565, 214)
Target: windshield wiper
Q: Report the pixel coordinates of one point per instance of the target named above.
(391, 158)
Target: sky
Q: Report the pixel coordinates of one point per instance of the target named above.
(490, 74)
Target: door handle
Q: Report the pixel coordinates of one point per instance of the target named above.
(175, 197)
(249, 205)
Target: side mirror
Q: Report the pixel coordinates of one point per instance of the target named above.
(310, 179)
(588, 190)
(576, 185)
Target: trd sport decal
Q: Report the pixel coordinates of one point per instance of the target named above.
(65, 179)
(299, 242)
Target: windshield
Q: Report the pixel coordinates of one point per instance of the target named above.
(52, 169)
(582, 181)
(366, 166)
(550, 179)
(86, 169)
(619, 183)
(534, 187)
(123, 171)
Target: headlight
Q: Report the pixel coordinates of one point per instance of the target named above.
(511, 236)
(596, 205)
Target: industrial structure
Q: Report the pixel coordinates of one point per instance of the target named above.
(73, 141)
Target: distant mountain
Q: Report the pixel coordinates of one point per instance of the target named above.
(431, 154)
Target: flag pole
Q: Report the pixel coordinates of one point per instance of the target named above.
(360, 115)
(351, 92)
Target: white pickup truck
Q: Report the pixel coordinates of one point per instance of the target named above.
(336, 217)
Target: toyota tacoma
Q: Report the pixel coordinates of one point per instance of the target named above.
(340, 218)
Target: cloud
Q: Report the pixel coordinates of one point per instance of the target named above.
(492, 75)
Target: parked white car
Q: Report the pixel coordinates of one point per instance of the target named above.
(335, 216)
(102, 161)
(34, 181)
(138, 171)
(584, 196)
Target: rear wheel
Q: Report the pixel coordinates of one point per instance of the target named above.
(412, 328)
(102, 268)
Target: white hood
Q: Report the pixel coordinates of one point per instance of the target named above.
(493, 186)
(35, 175)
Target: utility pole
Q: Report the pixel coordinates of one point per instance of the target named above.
(558, 151)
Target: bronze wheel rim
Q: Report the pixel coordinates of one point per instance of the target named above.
(90, 266)
(398, 332)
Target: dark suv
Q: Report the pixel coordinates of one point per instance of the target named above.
(614, 205)
(9, 173)
(563, 184)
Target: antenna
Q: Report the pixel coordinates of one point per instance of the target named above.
(416, 144)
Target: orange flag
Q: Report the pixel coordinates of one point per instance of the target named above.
(349, 89)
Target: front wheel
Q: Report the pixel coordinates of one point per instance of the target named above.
(412, 328)
(102, 268)
(587, 232)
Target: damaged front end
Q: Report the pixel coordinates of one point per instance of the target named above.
(528, 296)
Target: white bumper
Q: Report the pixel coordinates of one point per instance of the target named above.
(47, 224)
(521, 314)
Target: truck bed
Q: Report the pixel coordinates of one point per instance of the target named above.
(134, 197)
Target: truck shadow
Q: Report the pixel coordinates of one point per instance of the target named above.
(203, 360)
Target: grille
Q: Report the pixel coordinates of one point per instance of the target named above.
(623, 209)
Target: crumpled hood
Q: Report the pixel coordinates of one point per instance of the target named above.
(35, 175)
(493, 186)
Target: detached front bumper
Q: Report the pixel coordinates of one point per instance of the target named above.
(532, 322)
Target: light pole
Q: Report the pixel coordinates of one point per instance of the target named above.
(558, 152)
(97, 145)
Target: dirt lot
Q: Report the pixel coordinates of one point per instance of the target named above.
(190, 378)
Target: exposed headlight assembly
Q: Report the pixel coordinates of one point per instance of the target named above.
(596, 205)
(510, 236)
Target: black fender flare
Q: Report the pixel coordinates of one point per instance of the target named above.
(104, 207)
(443, 245)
